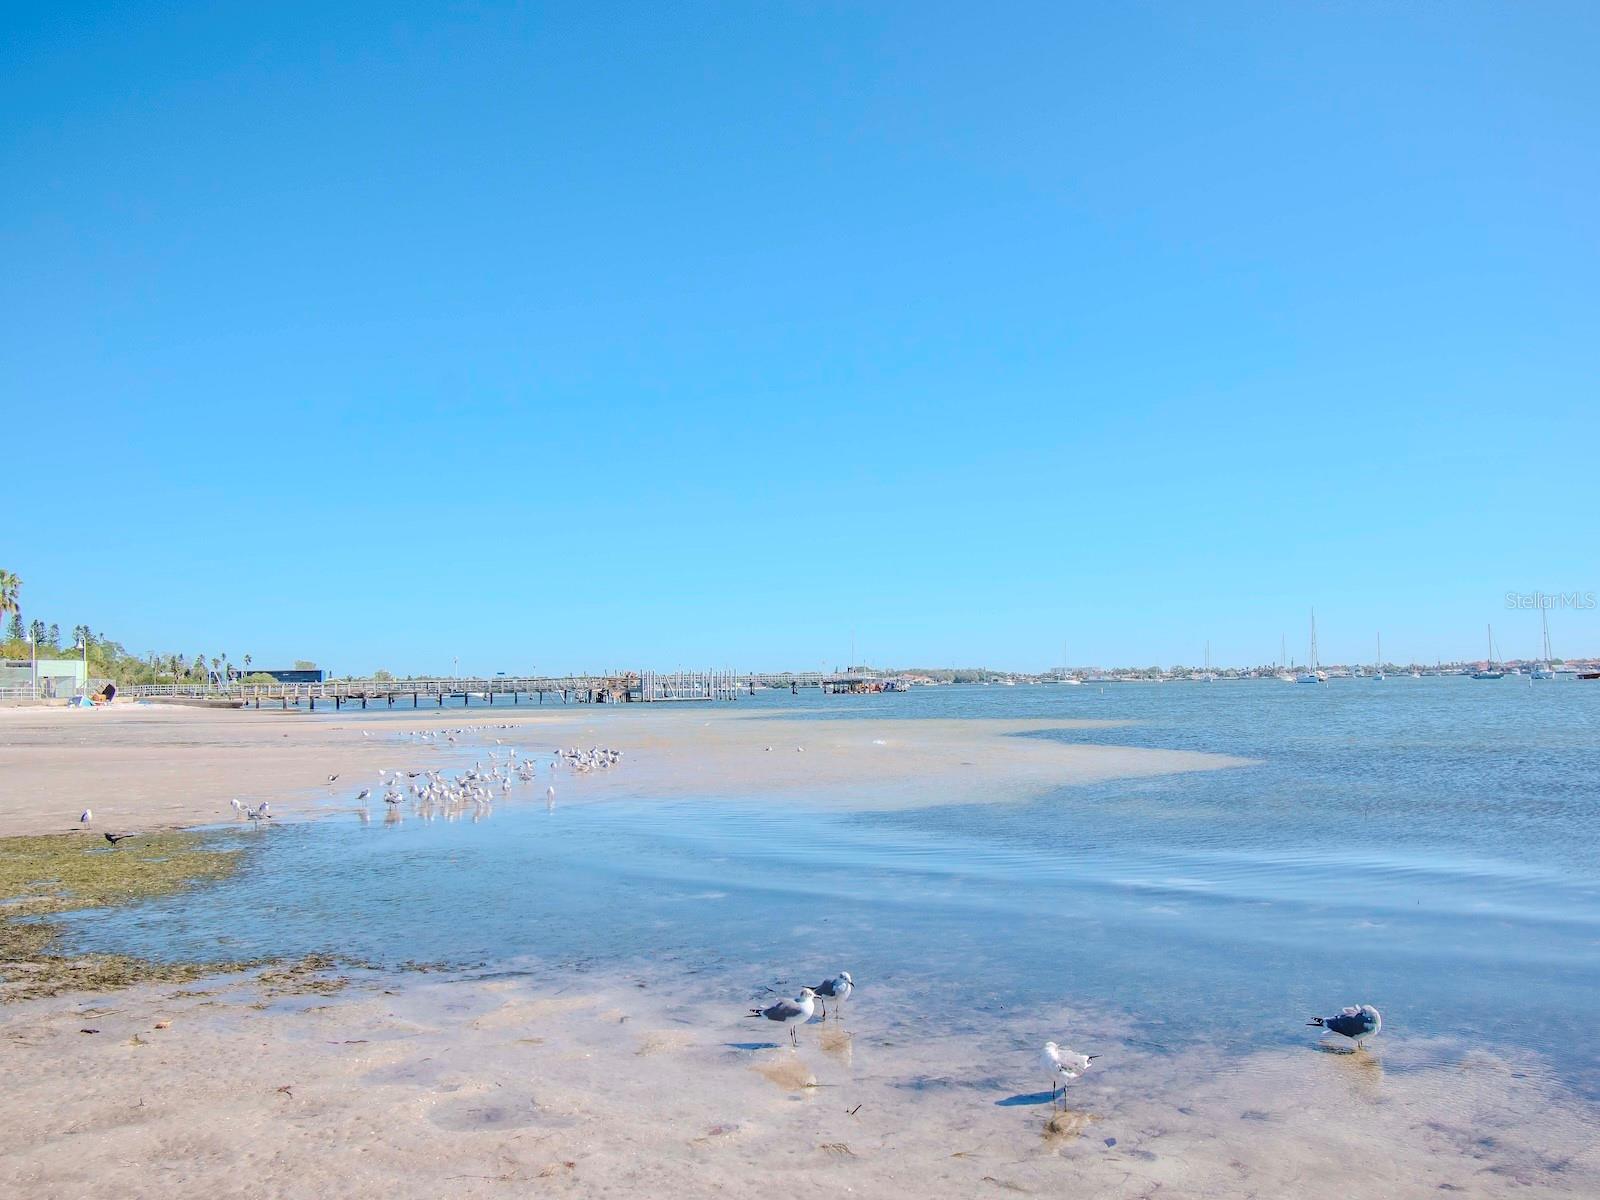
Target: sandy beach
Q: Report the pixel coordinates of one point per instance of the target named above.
(153, 767)
(634, 1085)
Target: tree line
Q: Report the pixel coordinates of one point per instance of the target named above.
(107, 658)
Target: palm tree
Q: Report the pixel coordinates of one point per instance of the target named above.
(10, 587)
(247, 664)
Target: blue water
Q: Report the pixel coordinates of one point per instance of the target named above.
(1425, 845)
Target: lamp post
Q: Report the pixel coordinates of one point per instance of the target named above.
(33, 650)
(84, 646)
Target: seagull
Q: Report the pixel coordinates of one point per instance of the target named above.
(1354, 1023)
(837, 989)
(85, 817)
(332, 778)
(114, 838)
(237, 807)
(790, 1012)
(363, 793)
(1064, 1066)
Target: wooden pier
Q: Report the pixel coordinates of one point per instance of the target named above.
(649, 687)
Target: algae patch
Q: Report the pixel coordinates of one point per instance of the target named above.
(56, 873)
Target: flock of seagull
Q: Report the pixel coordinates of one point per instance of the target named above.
(472, 792)
(433, 792)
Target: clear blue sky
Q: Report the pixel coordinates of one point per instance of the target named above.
(562, 336)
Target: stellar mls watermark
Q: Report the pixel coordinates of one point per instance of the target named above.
(1583, 600)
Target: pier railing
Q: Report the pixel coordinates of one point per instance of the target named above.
(632, 686)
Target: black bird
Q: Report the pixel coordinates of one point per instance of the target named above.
(1354, 1023)
(114, 838)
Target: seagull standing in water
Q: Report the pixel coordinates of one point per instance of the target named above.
(1355, 1023)
(837, 989)
(1064, 1066)
(792, 1013)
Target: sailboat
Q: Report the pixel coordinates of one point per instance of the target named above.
(1311, 674)
(1283, 659)
(1208, 675)
(1488, 671)
(1377, 670)
(1544, 668)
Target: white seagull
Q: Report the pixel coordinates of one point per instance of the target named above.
(85, 817)
(1355, 1023)
(1064, 1066)
(792, 1013)
(837, 989)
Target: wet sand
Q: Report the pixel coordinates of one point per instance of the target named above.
(636, 1085)
(151, 767)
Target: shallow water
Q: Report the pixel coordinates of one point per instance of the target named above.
(1424, 845)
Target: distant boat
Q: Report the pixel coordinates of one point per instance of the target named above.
(1488, 671)
(1377, 670)
(1543, 669)
(1311, 674)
